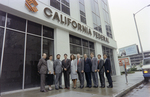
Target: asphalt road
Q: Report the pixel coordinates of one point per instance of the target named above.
(141, 91)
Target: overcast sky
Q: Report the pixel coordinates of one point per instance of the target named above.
(121, 12)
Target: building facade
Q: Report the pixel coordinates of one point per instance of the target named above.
(29, 28)
(137, 58)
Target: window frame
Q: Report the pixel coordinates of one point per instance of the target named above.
(94, 11)
(84, 12)
(61, 3)
(107, 19)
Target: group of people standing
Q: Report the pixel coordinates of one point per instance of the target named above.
(76, 67)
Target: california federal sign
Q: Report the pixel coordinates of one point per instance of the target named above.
(67, 21)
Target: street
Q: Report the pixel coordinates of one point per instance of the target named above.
(141, 91)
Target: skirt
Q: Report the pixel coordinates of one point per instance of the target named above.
(50, 79)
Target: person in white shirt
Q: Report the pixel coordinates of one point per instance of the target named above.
(50, 72)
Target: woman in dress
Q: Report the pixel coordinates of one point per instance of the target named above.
(73, 70)
(50, 77)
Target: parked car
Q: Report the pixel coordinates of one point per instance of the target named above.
(146, 68)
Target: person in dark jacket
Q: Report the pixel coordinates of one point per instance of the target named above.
(107, 65)
(80, 70)
(66, 71)
(101, 71)
(42, 69)
(87, 70)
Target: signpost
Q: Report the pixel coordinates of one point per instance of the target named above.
(124, 65)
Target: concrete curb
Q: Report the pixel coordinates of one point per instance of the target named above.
(125, 91)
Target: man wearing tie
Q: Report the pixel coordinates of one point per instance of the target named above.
(87, 70)
(101, 71)
(107, 66)
(94, 70)
(58, 72)
(80, 70)
(66, 70)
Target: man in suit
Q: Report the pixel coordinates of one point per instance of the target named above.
(57, 66)
(107, 66)
(80, 70)
(94, 70)
(101, 71)
(42, 69)
(66, 70)
(87, 70)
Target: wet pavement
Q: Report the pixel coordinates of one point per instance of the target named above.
(118, 82)
(141, 91)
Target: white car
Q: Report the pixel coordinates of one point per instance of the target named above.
(146, 68)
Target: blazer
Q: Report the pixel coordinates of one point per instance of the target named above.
(80, 66)
(66, 65)
(73, 66)
(42, 66)
(94, 64)
(107, 65)
(50, 66)
(57, 66)
(100, 65)
(87, 65)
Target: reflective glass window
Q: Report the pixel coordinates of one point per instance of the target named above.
(2, 18)
(33, 54)
(55, 4)
(65, 9)
(12, 71)
(34, 28)
(48, 32)
(15, 22)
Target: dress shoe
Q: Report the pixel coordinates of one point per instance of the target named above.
(43, 91)
(56, 88)
(89, 86)
(102, 86)
(81, 87)
(95, 86)
(60, 88)
(74, 87)
(86, 86)
(109, 86)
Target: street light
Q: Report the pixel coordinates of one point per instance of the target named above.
(137, 29)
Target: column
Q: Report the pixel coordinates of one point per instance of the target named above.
(61, 45)
(98, 49)
(116, 62)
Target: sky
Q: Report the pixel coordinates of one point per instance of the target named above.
(121, 12)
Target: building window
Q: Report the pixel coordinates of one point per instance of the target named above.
(96, 16)
(109, 53)
(81, 46)
(106, 18)
(82, 11)
(34, 28)
(25, 41)
(2, 18)
(62, 5)
(12, 71)
(16, 22)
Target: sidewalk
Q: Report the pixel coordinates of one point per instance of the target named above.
(118, 82)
